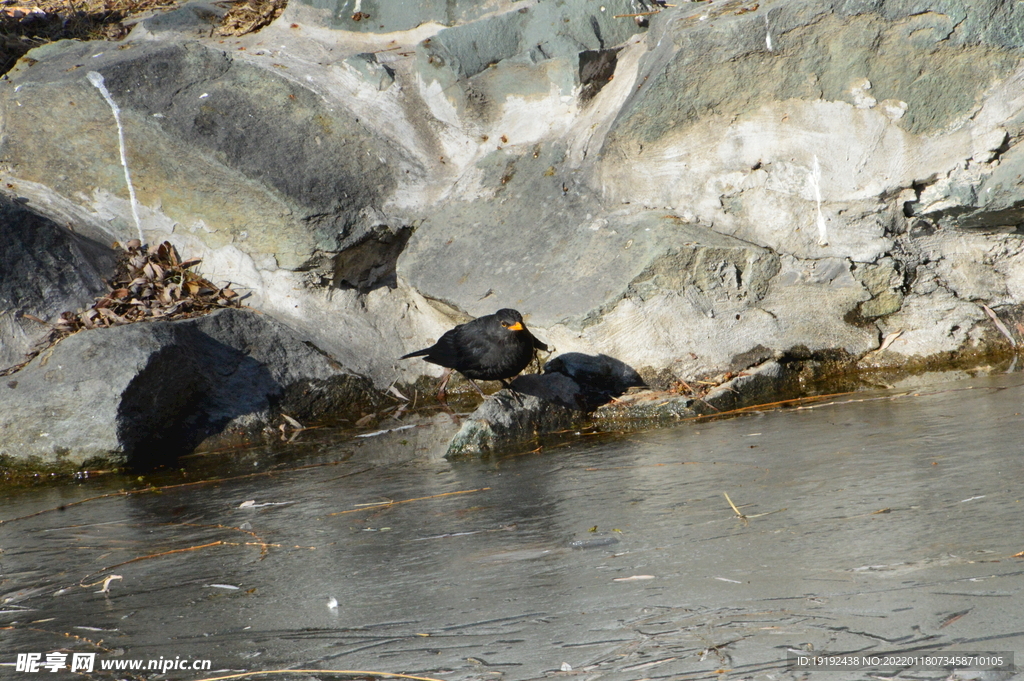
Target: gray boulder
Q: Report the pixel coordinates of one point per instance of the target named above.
(767, 382)
(545, 406)
(45, 269)
(141, 394)
(242, 152)
(539, 405)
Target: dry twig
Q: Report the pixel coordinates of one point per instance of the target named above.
(406, 501)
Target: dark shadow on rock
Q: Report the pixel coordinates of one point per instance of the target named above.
(369, 258)
(547, 387)
(601, 378)
(596, 69)
(343, 397)
(188, 390)
(216, 104)
(45, 269)
(218, 380)
(756, 355)
(21, 35)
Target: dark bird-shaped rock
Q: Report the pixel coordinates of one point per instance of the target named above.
(495, 347)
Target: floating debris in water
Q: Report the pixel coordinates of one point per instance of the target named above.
(390, 430)
(106, 583)
(251, 503)
(583, 544)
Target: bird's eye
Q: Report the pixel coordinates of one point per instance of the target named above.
(505, 324)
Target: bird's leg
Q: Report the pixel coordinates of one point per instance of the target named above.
(512, 391)
(473, 383)
(442, 395)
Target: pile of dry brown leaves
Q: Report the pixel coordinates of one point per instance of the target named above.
(248, 16)
(25, 24)
(150, 283)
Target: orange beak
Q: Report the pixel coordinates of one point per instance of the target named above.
(516, 327)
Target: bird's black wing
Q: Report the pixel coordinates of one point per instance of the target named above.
(445, 352)
(461, 348)
(475, 344)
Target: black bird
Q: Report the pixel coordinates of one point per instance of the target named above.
(490, 348)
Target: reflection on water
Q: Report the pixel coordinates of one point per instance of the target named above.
(887, 522)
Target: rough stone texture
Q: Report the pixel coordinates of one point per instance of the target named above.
(554, 402)
(542, 403)
(386, 16)
(759, 385)
(143, 393)
(213, 146)
(742, 180)
(197, 19)
(587, 267)
(530, 35)
(749, 147)
(752, 160)
(45, 269)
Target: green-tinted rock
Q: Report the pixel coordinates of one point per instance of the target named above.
(230, 152)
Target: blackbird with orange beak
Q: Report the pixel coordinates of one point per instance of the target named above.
(495, 347)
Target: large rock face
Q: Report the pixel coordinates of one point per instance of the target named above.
(211, 145)
(834, 103)
(730, 181)
(144, 393)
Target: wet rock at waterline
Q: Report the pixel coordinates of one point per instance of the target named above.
(541, 404)
(596, 398)
(142, 394)
(691, 198)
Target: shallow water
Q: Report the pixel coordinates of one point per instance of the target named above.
(878, 522)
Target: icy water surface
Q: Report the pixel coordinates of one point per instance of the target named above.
(885, 523)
